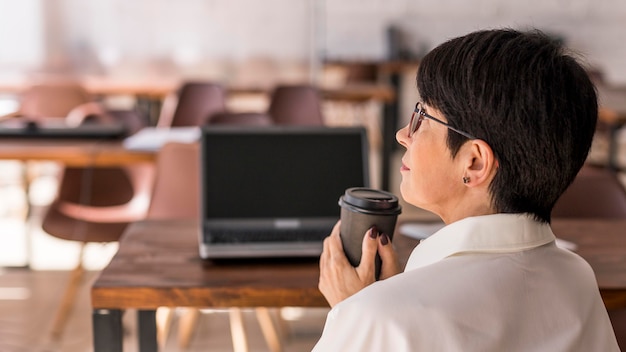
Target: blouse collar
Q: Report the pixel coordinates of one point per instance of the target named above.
(498, 233)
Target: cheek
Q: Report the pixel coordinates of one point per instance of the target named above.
(430, 175)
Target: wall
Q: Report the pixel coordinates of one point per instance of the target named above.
(597, 29)
(21, 39)
(101, 34)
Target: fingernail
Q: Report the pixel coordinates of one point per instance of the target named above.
(373, 232)
(384, 239)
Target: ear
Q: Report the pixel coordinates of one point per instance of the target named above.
(480, 163)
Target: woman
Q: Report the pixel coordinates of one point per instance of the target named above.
(505, 122)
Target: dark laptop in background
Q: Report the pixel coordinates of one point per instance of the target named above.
(58, 129)
(273, 191)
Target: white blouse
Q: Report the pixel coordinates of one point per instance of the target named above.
(488, 283)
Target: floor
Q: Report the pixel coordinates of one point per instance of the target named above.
(29, 296)
(30, 299)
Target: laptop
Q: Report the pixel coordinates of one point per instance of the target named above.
(273, 191)
(51, 129)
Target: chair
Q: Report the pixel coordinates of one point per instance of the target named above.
(95, 205)
(192, 105)
(296, 105)
(241, 118)
(596, 193)
(52, 99)
(173, 197)
(176, 198)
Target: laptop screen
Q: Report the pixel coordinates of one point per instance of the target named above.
(280, 172)
(58, 129)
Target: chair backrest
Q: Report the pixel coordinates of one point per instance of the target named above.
(132, 119)
(595, 193)
(195, 103)
(176, 191)
(296, 105)
(97, 204)
(52, 99)
(241, 118)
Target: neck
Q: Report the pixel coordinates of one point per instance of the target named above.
(472, 202)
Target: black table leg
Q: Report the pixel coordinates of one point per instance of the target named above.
(150, 108)
(107, 330)
(146, 322)
(390, 122)
(613, 146)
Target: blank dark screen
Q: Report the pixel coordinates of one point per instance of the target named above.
(280, 174)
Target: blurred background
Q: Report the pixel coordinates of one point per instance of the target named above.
(248, 43)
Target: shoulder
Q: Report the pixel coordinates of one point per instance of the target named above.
(374, 319)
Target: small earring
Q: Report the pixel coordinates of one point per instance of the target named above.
(466, 179)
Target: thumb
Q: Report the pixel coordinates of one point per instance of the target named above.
(365, 270)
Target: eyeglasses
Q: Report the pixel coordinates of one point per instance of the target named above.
(415, 123)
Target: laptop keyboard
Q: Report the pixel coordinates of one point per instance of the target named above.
(256, 236)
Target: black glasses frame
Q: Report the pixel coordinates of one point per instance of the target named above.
(415, 123)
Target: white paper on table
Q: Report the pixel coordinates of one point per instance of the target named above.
(153, 138)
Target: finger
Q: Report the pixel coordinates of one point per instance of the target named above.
(325, 267)
(336, 229)
(336, 246)
(390, 265)
(369, 246)
(335, 237)
(324, 255)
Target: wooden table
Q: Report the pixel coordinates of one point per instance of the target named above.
(73, 152)
(158, 265)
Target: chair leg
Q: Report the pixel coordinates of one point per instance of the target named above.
(164, 317)
(187, 322)
(67, 302)
(238, 330)
(269, 329)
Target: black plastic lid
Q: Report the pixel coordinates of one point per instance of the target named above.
(369, 199)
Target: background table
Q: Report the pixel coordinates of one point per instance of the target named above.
(73, 152)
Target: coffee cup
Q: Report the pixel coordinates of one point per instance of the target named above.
(361, 209)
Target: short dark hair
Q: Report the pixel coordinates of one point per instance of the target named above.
(528, 98)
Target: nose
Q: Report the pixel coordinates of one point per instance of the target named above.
(402, 136)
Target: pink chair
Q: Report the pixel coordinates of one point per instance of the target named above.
(595, 193)
(241, 119)
(176, 195)
(296, 105)
(52, 99)
(192, 105)
(95, 204)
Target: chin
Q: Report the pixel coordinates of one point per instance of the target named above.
(404, 193)
(411, 197)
